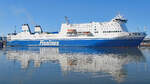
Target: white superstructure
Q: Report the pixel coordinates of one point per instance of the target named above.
(115, 28)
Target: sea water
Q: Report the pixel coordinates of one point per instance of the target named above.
(74, 65)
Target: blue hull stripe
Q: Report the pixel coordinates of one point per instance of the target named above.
(90, 43)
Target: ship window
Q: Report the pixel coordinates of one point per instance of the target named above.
(110, 31)
(96, 32)
(138, 33)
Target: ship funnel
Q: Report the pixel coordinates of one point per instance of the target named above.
(25, 28)
(38, 29)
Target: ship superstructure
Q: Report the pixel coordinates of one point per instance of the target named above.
(97, 29)
(101, 34)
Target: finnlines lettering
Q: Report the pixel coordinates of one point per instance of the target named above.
(49, 43)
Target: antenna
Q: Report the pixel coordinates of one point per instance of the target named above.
(119, 13)
(66, 19)
(15, 30)
(138, 29)
(145, 28)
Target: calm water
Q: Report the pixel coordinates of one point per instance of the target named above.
(68, 65)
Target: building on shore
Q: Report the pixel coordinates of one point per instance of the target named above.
(145, 42)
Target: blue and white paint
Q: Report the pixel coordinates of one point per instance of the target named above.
(95, 34)
(90, 43)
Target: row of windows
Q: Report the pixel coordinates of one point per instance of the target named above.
(110, 31)
(134, 34)
(95, 25)
(108, 25)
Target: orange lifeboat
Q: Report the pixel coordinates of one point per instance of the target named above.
(71, 31)
(87, 32)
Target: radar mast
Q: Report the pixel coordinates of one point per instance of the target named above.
(66, 19)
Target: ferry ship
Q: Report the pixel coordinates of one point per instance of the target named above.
(113, 33)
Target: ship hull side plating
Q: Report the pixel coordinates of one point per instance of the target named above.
(1, 44)
(89, 43)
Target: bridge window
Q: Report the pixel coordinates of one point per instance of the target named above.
(110, 31)
(96, 32)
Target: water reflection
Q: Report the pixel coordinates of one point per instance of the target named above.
(79, 59)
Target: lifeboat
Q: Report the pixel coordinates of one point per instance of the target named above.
(87, 32)
(71, 31)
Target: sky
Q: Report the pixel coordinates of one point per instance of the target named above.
(50, 13)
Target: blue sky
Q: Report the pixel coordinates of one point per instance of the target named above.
(50, 13)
